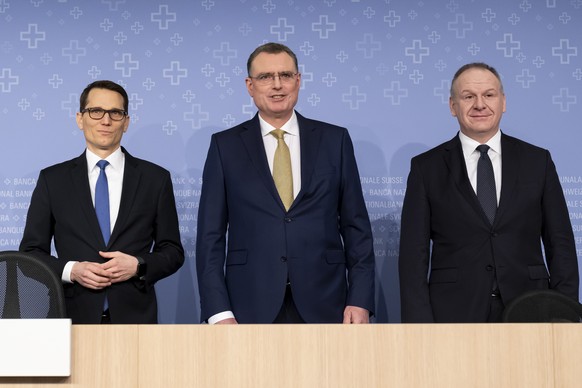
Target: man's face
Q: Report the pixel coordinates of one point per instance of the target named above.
(478, 103)
(103, 136)
(275, 99)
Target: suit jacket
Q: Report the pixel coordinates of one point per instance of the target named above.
(146, 226)
(440, 206)
(325, 235)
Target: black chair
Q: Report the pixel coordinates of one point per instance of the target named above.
(542, 306)
(28, 288)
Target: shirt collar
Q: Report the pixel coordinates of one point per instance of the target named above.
(116, 159)
(291, 126)
(469, 145)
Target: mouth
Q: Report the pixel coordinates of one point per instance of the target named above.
(277, 97)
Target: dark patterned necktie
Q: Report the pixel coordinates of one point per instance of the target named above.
(486, 184)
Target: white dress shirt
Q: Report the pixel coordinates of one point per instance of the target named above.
(291, 138)
(114, 171)
(472, 158)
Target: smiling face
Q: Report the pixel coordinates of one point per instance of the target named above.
(275, 101)
(478, 102)
(103, 136)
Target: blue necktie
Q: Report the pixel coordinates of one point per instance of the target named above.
(102, 201)
(102, 208)
(486, 184)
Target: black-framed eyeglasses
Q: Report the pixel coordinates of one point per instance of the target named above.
(98, 113)
(285, 77)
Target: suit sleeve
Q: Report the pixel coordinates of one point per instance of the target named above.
(211, 237)
(167, 254)
(39, 228)
(413, 261)
(356, 233)
(558, 237)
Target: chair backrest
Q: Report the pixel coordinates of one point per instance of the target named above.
(543, 306)
(29, 288)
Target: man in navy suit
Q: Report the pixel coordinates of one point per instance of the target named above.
(108, 273)
(265, 257)
(480, 260)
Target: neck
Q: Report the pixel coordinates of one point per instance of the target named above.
(276, 122)
(103, 154)
(482, 139)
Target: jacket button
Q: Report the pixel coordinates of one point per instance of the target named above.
(287, 219)
(489, 268)
(283, 259)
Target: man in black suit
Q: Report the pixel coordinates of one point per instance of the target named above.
(299, 245)
(109, 261)
(485, 252)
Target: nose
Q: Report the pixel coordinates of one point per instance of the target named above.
(276, 81)
(479, 103)
(106, 119)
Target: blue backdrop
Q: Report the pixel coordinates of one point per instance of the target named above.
(380, 68)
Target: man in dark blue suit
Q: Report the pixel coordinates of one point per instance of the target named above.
(465, 254)
(109, 268)
(283, 231)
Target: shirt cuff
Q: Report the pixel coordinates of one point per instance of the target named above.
(220, 316)
(66, 276)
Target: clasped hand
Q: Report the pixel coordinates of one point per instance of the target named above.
(119, 267)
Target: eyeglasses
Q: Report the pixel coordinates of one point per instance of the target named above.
(98, 113)
(285, 77)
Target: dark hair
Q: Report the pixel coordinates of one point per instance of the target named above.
(103, 84)
(475, 65)
(271, 48)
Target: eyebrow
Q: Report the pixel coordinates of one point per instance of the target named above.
(277, 72)
(486, 91)
(99, 107)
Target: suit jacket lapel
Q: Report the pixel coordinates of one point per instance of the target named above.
(509, 174)
(455, 161)
(131, 178)
(82, 191)
(310, 140)
(255, 147)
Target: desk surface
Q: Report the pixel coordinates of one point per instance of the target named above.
(389, 355)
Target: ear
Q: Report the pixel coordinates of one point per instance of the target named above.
(504, 103)
(452, 107)
(126, 124)
(79, 119)
(249, 83)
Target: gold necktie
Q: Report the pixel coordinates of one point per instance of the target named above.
(282, 169)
